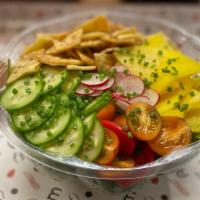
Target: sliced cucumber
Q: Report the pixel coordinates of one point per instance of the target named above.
(73, 140)
(98, 103)
(88, 123)
(93, 144)
(34, 116)
(71, 85)
(63, 99)
(21, 93)
(52, 78)
(54, 127)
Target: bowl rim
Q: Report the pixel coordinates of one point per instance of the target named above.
(72, 162)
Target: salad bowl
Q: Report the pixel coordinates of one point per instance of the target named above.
(107, 178)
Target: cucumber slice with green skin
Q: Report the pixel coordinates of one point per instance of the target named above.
(93, 144)
(34, 116)
(52, 78)
(73, 139)
(88, 123)
(71, 85)
(21, 93)
(98, 103)
(53, 128)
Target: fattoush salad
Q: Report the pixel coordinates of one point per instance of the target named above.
(105, 93)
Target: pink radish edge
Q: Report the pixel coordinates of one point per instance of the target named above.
(143, 99)
(94, 81)
(81, 90)
(105, 86)
(95, 94)
(120, 101)
(152, 95)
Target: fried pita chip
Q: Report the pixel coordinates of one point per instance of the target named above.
(104, 61)
(93, 35)
(56, 60)
(115, 27)
(42, 42)
(72, 54)
(126, 40)
(82, 68)
(23, 67)
(98, 23)
(84, 58)
(110, 40)
(92, 44)
(57, 36)
(124, 31)
(70, 42)
(126, 36)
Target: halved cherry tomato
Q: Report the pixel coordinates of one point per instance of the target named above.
(121, 121)
(143, 120)
(174, 133)
(110, 150)
(107, 112)
(125, 162)
(143, 154)
(126, 144)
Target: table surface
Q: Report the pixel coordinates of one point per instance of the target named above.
(21, 180)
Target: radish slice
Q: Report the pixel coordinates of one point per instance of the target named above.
(120, 69)
(84, 90)
(95, 80)
(104, 87)
(152, 95)
(139, 99)
(131, 84)
(122, 104)
(95, 94)
(118, 96)
(120, 101)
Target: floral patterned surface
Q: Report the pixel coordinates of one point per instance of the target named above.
(20, 179)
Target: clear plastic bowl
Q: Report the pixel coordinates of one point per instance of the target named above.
(101, 177)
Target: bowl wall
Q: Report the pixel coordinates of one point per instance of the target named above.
(188, 43)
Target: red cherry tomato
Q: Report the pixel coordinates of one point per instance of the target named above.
(126, 144)
(143, 154)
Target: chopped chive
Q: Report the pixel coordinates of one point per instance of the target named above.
(180, 96)
(14, 91)
(125, 128)
(49, 133)
(28, 90)
(168, 101)
(160, 52)
(169, 89)
(181, 85)
(184, 107)
(26, 82)
(125, 71)
(130, 135)
(192, 93)
(152, 114)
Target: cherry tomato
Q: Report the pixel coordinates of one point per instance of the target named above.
(110, 150)
(126, 162)
(121, 121)
(143, 154)
(107, 112)
(143, 120)
(174, 133)
(126, 144)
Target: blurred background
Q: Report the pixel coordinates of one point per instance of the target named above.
(17, 15)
